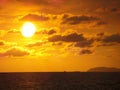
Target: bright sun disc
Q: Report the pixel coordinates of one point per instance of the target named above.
(28, 29)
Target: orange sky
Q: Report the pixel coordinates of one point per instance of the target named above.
(71, 35)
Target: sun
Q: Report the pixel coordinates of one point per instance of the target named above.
(28, 29)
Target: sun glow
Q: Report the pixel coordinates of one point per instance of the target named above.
(28, 29)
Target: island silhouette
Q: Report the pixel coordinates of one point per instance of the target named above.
(104, 69)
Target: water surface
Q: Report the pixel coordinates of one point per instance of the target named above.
(60, 81)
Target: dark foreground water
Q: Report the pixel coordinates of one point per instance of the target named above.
(60, 81)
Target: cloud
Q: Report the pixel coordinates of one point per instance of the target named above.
(73, 20)
(57, 43)
(37, 2)
(74, 37)
(35, 44)
(12, 31)
(51, 32)
(100, 23)
(108, 10)
(100, 34)
(112, 38)
(115, 10)
(106, 44)
(34, 17)
(85, 43)
(15, 52)
(78, 40)
(2, 43)
(47, 31)
(86, 51)
(42, 2)
(107, 40)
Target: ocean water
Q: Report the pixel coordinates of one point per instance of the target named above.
(60, 81)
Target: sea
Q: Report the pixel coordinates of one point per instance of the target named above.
(60, 81)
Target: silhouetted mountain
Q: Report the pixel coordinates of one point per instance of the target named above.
(104, 69)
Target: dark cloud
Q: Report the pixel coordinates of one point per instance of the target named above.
(100, 34)
(85, 43)
(86, 51)
(37, 2)
(112, 38)
(51, 32)
(2, 43)
(35, 44)
(100, 23)
(34, 17)
(15, 52)
(42, 32)
(106, 44)
(78, 39)
(11, 31)
(108, 10)
(107, 40)
(73, 20)
(55, 38)
(65, 16)
(42, 2)
(74, 37)
(114, 9)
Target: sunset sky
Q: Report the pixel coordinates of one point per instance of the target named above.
(71, 35)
